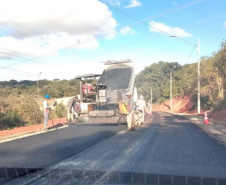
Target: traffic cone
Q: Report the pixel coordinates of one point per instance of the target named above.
(206, 120)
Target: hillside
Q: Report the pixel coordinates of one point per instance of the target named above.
(184, 81)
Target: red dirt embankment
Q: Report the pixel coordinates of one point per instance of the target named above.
(180, 105)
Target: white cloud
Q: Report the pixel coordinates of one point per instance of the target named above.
(133, 4)
(224, 24)
(67, 70)
(127, 30)
(43, 45)
(113, 2)
(38, 27)
(161, 27)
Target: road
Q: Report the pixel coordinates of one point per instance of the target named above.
(166, 150)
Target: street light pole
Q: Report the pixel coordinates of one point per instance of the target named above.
(38, 84)
(171, 92)
(198, 95)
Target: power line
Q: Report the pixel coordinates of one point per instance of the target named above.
(12, 54)
(10, 20)
(20, 71)
(191, 54)
(138, 21)
(143, 21)
(17, 54)
(32, 59)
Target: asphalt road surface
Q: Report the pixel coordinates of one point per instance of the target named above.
(167, 149)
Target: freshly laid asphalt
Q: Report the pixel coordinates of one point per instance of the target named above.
(43, 150)
(167, 144)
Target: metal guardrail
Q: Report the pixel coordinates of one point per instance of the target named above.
(107, 177)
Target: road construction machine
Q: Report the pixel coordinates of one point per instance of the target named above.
(106, 101)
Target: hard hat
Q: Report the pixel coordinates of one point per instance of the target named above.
(47, 96)
(128, 93)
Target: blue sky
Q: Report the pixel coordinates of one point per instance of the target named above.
(73, 37)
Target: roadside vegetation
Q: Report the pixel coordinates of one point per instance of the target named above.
(20, 104)
(213, 80)
(18, 111)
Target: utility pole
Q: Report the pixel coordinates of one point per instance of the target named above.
(171, 93)
(198, 95)
(151, 98)
(38, 84)
(81, 93)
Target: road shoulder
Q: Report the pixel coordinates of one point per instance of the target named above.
(214, 129)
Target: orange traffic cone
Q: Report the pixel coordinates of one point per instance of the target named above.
(206, 120)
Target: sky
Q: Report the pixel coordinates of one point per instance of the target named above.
(60, 39)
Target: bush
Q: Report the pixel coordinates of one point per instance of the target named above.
(18, 111)
(60, 110)
(10, 119)
(221, 105)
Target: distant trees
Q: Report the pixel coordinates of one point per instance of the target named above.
(156, 75)
(213, 80)
(56, 88)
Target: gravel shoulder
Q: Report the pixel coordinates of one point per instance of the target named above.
(215, 129)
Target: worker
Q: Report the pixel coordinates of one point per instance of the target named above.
(76, 108)
(75, 99)
(87, 88)
(69, 109)
(141, 106)
(46, 109)
(130, 112)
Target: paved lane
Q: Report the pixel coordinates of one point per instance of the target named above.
(169, 145)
